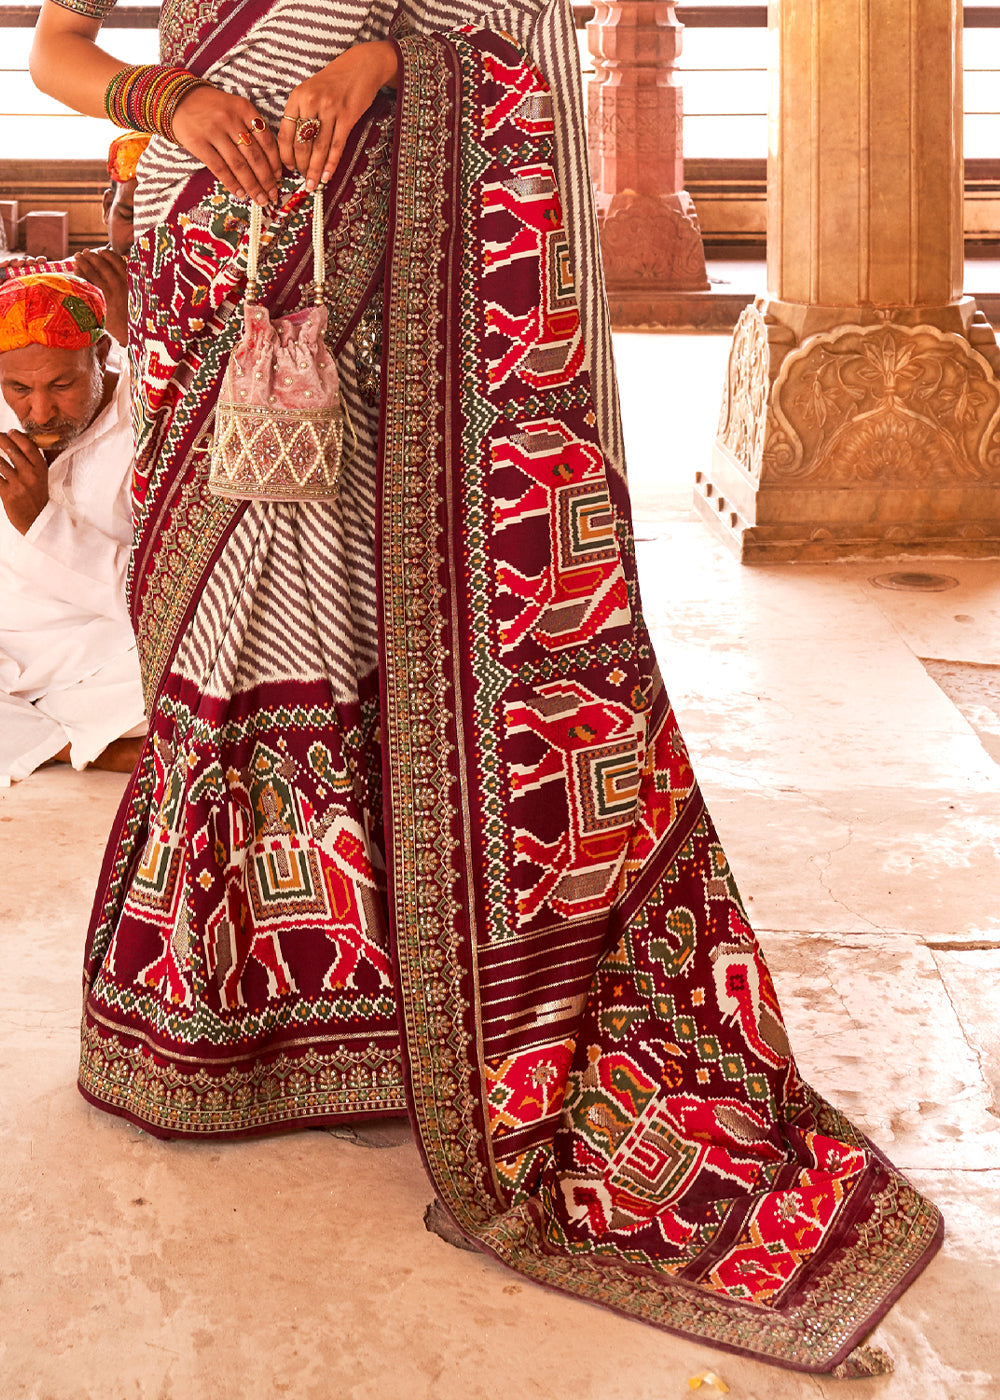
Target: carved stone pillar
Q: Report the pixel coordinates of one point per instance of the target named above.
(862, 409)
(649, 231)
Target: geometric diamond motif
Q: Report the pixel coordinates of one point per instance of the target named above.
(275, 454)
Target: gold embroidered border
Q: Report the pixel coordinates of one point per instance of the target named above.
(289, 1088)
(180, 25)
(428, 861)
(275, 454)
(196, 525)
(809, 1336)
(90, 9)
(357, 226)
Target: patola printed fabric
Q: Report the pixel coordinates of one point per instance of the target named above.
(428, 835)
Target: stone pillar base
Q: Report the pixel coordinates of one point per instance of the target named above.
(653, 253)
(858, 433)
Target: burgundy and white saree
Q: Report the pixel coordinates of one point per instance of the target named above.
(415, 829)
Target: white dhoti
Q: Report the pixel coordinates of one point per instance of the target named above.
(87, 716)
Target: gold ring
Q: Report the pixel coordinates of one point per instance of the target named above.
(258, 124)
(307, 129)
(243, 138)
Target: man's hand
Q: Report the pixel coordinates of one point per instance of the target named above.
(106, 270)
(24, 480)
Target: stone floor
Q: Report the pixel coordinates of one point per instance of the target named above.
(860, 810)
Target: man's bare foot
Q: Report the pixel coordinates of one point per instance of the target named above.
(120, 756)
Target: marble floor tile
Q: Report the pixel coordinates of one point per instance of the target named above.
(943, 1336)
(875, 1031)
(794, 680)
(53, 829)
(962, 624)
(862, 818)
(971, 978)
(860, 858)
(974, 688)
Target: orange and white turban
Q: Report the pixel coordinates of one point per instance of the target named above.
(124, 153)
(48, 308)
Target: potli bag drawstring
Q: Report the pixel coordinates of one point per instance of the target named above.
(279, 423)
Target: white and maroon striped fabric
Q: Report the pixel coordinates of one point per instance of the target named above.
(296, 38)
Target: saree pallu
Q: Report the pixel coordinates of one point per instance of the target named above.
(422, 831)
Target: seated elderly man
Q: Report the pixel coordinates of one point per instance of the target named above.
(69, 674)
(104, 267)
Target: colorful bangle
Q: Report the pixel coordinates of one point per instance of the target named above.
(146, 96)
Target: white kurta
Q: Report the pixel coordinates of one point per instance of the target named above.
(68, 666)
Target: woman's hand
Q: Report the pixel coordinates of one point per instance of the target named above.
(224, 132)
(229, 135)
(337, 96)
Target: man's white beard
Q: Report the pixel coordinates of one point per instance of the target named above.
(68, 430)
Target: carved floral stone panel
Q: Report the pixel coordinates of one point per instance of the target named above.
(888, 404)
(653, 241)
(743, 417)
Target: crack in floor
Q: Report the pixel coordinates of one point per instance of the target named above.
(826, 857)
(960, 945)
(978, 1054)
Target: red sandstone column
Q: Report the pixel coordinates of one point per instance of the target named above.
(649, 231)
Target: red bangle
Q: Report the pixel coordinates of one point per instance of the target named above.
(146, 96)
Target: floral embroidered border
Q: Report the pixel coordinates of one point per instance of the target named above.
(117, 1072)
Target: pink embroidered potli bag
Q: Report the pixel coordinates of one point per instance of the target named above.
(279, 423)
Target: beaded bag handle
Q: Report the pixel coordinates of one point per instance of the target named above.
(319, 252)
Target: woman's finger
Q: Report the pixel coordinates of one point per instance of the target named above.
(308, 130)
(256, 157)
(238, 155)
(203, 110)
(345, 125)
(262, 136)
(286, 139)
(319, 153)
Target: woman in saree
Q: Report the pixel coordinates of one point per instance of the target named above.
(415, 830)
